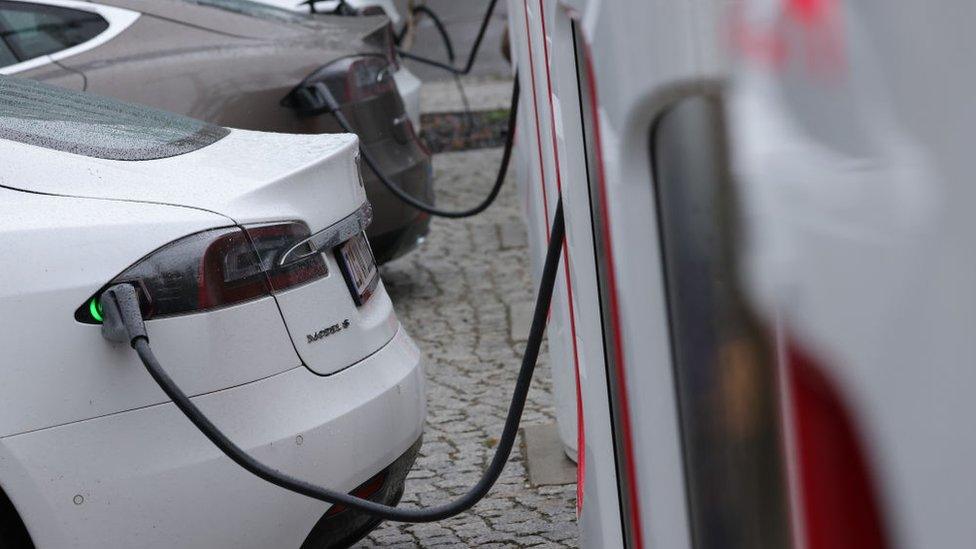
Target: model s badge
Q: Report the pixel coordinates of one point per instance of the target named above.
(326, 332)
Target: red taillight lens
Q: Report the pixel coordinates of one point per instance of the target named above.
(271, 241)
(349, 80)
(365, 490)
(837, 496)
(229, 273)
(215, 268)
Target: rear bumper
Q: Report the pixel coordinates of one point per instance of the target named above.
(147, 478)
(341, 527)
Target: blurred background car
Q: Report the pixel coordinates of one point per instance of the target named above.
(202, 219)
(239, 64)
(407, 83)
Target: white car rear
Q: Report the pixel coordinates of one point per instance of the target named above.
(304, 365)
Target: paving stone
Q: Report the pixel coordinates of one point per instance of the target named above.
(545, 456)
(456, 295)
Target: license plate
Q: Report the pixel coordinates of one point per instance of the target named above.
(358, 267)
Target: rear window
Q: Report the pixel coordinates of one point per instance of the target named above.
(33, 30)
(55, 118)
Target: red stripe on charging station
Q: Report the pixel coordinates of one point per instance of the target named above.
(535, 110)
(580, 432)
(625, 423)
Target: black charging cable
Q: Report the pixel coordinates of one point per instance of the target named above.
(318, 93)
(345, 9)
(123, 323)
(438, 24)
(448, 47)
(471, 56)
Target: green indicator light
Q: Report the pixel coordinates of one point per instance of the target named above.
(95, 308)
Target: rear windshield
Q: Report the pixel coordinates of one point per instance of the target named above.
(56, 118)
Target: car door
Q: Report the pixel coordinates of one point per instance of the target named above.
(35, 36)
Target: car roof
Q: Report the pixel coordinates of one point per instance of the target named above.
(56, 118)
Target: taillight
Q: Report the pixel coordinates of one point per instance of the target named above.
(273, 242)
(214, 269)
(349, 80)
(367, 77)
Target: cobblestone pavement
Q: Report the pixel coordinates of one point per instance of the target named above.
(456, 296)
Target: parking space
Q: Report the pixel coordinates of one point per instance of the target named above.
(462, 296)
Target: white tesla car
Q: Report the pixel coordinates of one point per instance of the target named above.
(303, 364)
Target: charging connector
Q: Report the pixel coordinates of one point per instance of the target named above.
(121, 316)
